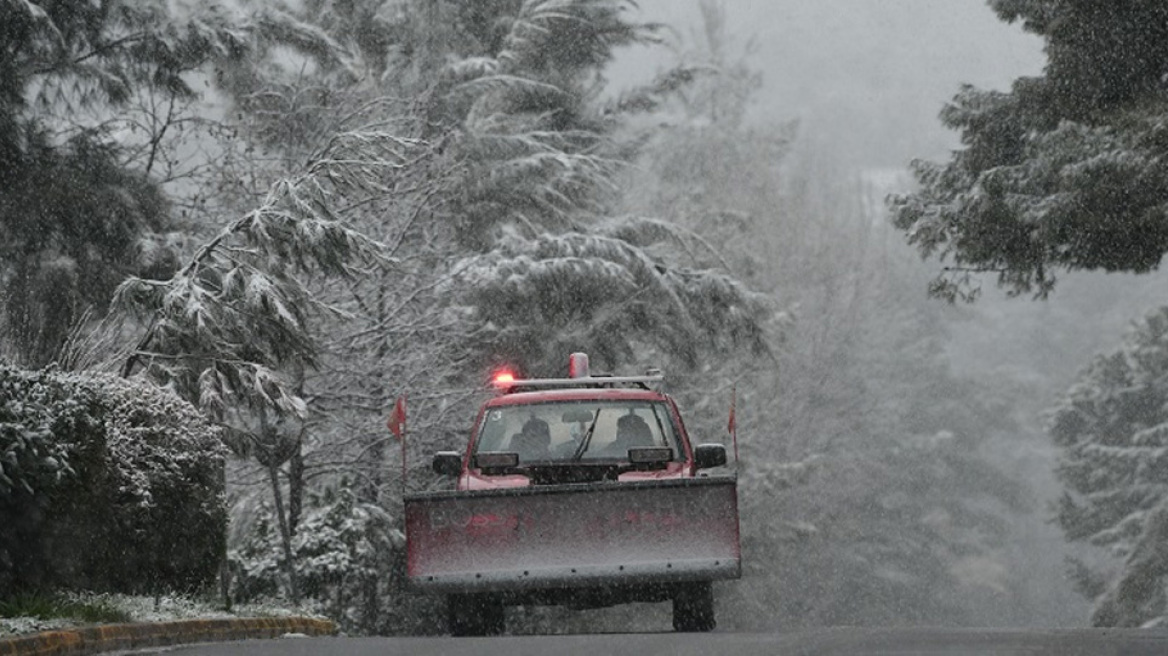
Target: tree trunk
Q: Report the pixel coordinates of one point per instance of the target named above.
(296, 484)
(224, 564)
(296, 467)
(371, 604)
(285, 534)
(270, 440)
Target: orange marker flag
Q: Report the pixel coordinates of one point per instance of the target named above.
(397, 418)
(397, 425)
(732, 423)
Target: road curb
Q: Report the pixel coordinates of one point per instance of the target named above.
(108, 637)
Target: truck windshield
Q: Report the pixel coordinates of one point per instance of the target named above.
(555, 431)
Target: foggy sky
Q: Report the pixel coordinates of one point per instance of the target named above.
(864, 76)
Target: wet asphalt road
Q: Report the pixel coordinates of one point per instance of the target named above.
(825, 642)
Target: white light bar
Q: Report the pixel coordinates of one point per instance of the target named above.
(590, 381)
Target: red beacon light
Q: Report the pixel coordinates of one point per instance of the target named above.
(503, 378)
(578, 366)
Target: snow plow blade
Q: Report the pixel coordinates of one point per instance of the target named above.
(574, 535)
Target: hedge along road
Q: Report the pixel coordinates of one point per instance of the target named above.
(1068, 642)
(111, 637)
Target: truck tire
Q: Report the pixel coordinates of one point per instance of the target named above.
(474, 615)
(693, 608)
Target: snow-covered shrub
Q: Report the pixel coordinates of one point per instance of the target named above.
(38, 418)
(343, 550)
(31, 459)
(108, 484)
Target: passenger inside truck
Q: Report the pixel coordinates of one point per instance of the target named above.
(533, 441)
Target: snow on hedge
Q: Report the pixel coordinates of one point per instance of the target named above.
(105, 482)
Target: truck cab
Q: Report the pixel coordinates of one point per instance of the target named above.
(582, 491)
(577, 435)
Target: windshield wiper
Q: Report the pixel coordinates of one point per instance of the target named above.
(579, 453)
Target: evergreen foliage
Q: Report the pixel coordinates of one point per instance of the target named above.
(603, 295)
(107, 485)
(1065, 171)
(1113, 433)
(390, 196)
(237, 312)
(551, 269)
(71, 218)
(385, 177)
(72, 213)
(368, 268)
(97, 114)
(343, 549)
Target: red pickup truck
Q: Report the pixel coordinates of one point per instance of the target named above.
(582, 491)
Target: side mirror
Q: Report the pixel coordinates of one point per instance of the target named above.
(447, 463)
(709, 455)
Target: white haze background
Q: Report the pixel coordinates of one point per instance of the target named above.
(866, 79)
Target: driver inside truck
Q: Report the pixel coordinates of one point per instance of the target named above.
(533, 441)
(632, 431)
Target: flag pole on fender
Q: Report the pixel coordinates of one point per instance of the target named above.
(397, 425)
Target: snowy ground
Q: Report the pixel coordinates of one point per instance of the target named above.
(144, 609)
(10, 626)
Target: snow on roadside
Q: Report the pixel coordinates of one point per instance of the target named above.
(10, 626)
(143, 609)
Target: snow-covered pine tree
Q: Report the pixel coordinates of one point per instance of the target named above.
(233, 329)
(534, 153)
(99, 107)
(543, 297)
(236, 314)
(536, 149)
(1112, 427)
(551, 268)
(1063, 172)
(514, 157)
(75, 201)
(509, 179)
